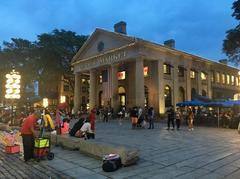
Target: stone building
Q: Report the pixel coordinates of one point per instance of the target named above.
(129, 71)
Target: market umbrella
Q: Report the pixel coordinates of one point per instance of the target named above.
(191, 103)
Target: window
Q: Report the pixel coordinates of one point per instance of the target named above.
(203, 76)
(83, 100)
(237, 81)
(192, 74)
(180, 71)
(228, 79)
(223, 79)
(83, 80)
(122, 75)
(84, 89)
(145, 71)
(232, 80)
(218, 77)
(65, 88)
(167, 69)
(212, 76)
(100, 78)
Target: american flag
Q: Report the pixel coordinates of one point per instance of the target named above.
(106, 82)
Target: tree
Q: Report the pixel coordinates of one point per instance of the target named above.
(45, 60)
(19, 53)
(56, 50)
(231, 45)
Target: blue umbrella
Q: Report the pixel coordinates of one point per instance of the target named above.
(191, 103)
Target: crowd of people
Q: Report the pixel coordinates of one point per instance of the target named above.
(84, 127)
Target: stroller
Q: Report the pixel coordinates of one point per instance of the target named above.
(42, 145)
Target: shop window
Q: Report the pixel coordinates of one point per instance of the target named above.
(192, 74)
(122, 75)
(180, 71)
(223, 79)
(218, 77)
(168, 96)
(203, 76)
(145, 71)
(167, 69)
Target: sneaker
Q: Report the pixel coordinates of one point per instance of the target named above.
(189, 129)
(192, 129)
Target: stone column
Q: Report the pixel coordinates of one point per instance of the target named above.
(209, 85)
(175, 85)
(188, 85)
(139, 83)
(92, 89)
(199, 82)
(114, 83)
(77, 89)
(160, 82)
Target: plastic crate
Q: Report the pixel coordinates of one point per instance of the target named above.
(12, 149)
(41, 152)
(41, 143)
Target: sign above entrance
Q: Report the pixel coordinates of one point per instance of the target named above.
(105, 60)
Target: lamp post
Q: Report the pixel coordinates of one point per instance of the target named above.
(12, 88)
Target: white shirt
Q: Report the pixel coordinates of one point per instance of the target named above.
(86, 127)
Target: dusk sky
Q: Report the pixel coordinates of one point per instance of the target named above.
(198, 27)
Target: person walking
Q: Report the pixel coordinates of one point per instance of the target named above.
(179, 117)
(92, 118)
(28, 135)
(171, 115)
(151, 118)
(190, 119)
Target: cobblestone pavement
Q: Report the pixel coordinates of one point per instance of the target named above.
(202, 153)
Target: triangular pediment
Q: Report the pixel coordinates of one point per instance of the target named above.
(100, 42)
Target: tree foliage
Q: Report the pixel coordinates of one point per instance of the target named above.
(44, 60)
(231, 45)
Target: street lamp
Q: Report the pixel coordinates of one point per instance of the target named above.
(45, 102)
(12, 87)
(62, 99)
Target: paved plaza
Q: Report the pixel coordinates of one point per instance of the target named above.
(202, 153)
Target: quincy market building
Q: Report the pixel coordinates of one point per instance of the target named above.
(129, 71)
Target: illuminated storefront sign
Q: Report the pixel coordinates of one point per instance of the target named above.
(122, 75)
(145, 71)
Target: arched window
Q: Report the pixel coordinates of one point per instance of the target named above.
(204, 93)
(146, 96)
(193, 93)
(168, 96)
(122, 96)
(181, 95)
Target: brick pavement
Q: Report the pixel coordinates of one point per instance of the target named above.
(202, 153)
(13, 166)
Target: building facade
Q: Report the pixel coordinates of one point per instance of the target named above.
(128, 71)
